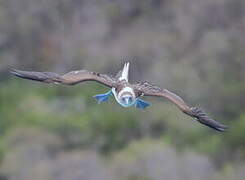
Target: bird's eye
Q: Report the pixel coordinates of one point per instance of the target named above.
(130, 99)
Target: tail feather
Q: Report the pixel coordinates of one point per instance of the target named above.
(124, 75)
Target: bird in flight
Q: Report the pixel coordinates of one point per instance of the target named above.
(125, 93)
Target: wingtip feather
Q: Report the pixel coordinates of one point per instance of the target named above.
(16, 72)
(202, 117)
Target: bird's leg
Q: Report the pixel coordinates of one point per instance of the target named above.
(103, 97)
(141, 104)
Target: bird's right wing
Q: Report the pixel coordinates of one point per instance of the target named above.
(147, 89)
(70, 78)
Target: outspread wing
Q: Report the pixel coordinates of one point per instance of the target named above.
(147, 89)
(70, 78)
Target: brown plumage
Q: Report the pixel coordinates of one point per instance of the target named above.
(70, 78)
(147, 89)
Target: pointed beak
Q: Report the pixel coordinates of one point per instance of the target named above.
(127, 101)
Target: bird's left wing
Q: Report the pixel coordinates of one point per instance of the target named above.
(148, 89)
(70, 78)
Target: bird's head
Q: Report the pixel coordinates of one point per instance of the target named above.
(127, 100)
(125, 97)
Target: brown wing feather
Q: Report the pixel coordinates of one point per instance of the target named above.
(70, 78)
(147, 89)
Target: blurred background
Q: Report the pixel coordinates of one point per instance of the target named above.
(194, 48)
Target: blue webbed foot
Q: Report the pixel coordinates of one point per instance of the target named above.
(103, 97)
(141, 104)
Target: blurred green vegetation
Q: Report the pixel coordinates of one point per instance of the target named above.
(73, 114)
(66, 111)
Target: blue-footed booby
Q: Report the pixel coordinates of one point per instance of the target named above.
(125, 93)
